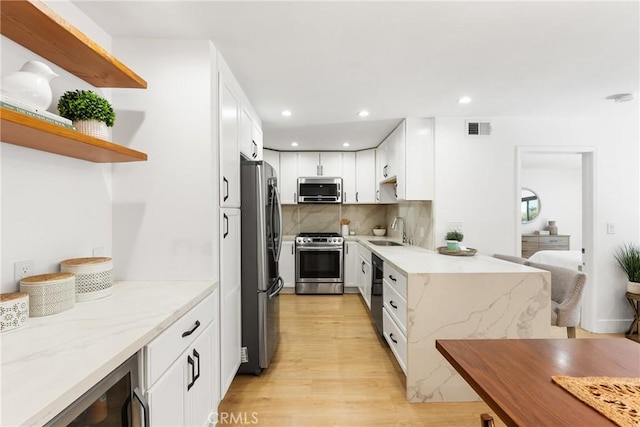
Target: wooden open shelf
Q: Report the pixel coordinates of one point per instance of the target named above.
(26, 131)
(39, 29)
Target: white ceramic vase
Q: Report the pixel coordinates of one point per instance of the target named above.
(633, 287)
(30, 85)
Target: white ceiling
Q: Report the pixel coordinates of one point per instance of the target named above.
(325, 61)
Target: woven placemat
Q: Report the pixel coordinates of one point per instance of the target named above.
(616, 398)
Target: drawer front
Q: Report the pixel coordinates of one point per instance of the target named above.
(395, 304)
(554, 242)
(160, 353)
(396, 339)
(395, 279)
(364, 252)
(530, 240)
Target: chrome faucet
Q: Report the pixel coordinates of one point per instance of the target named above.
(394, 224)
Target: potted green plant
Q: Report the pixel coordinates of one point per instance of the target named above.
(453, 239)
(628, 257)
(90, 113)
(379, 230)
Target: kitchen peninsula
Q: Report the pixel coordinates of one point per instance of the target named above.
(456, 297)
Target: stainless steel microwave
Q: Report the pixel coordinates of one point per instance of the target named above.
(319, 190)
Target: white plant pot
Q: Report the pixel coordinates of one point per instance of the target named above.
(633, 287)
(379, 231)
(93, 128)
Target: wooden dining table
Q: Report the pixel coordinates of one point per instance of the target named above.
(513, 376)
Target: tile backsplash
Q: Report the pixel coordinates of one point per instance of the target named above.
(326, 218)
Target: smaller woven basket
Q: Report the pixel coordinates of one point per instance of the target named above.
(94, 277)
(14, 310)
(49, 293)
(93, 128)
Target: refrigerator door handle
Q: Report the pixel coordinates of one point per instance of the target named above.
(278, 207)
(279, 286)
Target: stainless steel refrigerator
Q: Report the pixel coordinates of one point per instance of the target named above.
(261, 243)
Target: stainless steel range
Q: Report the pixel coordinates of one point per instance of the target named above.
(319, 263)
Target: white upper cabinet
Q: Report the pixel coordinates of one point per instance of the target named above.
(273, 158)
(415, 170)
(288, 177)
(229, 150)
(319, 164)
(250, 137)
(256, 141)
(365, 170)
(331, 164)
(405, 162)
(349, 178)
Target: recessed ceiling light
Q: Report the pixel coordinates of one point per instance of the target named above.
(363, 113)
(294, 144)
(464, 100)
(345, 144)
(286, 113)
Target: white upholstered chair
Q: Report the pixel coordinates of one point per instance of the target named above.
(566, 295)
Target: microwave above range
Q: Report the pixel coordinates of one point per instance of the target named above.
(319, 190)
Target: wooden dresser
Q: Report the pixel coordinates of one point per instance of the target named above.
(532, 243)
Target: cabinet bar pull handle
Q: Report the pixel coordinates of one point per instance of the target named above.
(392, 278)
(225, 181)
(292, 250)
(193, 381)
(357, 196)
(196, 326)
(393, 339)
(393, 305)
(197, 356)
(362, 267)
(145, 406)
(226, 226)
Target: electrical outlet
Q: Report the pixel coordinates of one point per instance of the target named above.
(22, 269)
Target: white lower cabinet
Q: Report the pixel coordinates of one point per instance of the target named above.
(181, 368)
(364, 274)
(394, 313)
(351, 264)
(230, 298)
(287, 264)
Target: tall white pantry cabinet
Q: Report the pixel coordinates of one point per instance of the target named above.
(239, 133)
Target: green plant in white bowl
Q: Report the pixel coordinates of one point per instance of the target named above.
(628, 257)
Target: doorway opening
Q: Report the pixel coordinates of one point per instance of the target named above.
(569, 189)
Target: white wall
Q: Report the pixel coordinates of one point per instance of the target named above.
(165, 210)
(53, 207)
(558, 185)
(480, 190)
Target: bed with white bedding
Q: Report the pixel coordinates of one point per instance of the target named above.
(567, 259)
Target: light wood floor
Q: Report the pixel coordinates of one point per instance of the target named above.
(332, 369)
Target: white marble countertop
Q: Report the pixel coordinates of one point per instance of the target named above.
(53, 360)
(417, 260)
(410, 259)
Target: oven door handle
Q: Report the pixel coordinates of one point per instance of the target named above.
(318, 248)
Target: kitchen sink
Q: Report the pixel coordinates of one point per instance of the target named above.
(384, 243)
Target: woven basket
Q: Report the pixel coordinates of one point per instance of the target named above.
(49, 293)
(93, 276)
(14, 310)
(93, 128)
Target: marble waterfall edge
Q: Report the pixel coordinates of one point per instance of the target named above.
(467, 306)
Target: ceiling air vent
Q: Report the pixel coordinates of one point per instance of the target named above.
(478, 128)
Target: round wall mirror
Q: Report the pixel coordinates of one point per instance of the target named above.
(530, 205)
